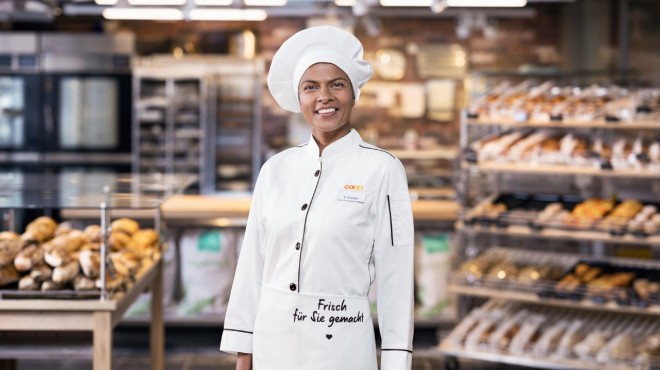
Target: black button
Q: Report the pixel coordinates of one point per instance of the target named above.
(304, 207)
(317, 173)
(298, 246)
(292, 286)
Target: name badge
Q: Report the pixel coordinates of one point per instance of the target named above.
(351, 196)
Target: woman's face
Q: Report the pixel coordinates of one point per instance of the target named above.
(326, 98)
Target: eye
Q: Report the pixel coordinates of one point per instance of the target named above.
(338, 84)
(308, 87)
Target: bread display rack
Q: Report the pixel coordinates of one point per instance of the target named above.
(558, 181)
(96, 310)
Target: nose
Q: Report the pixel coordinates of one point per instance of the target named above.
(324, 94)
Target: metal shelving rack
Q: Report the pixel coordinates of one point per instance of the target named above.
(170, 121)
(479, 180)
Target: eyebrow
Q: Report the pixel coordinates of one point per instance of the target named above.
(331, 81)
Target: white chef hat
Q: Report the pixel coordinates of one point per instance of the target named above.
(322, 44)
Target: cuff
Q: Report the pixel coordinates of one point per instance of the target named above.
(395, 359)
(234, 341)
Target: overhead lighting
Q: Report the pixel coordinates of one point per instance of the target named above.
(105, 2)
(345, 2)
(265, 2)
(214, 2)
(156, 2)
(405, 2)
(487, 3)
(156, 14)
(227, 14)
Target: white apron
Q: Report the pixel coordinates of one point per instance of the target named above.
(297, 331)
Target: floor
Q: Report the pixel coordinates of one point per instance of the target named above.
(196, 349)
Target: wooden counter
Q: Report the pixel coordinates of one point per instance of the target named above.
(223, 211)
(99, 317)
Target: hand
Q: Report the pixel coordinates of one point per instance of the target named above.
(244, 361)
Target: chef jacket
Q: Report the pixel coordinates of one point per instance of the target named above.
(320, 230)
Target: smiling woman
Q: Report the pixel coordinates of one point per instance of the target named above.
(326, 100)
(328, 218)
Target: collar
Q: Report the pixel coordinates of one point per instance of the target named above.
(335, 149)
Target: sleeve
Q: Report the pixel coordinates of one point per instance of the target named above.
(246, 288)
(394, 261)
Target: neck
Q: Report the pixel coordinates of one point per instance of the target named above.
(323, 139)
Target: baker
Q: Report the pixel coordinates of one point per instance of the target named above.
(328, 217)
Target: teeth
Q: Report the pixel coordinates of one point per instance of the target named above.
(327, 110)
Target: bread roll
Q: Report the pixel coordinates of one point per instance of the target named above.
(145, 238)
(66, 273)
(8, 250)
(93, 233)
(41, 273)
(28, 283)
(90, 262)
(9, 235)
(29, 257)
(82, 282)
(125, 225)
(49, 285)
(118, 240)
(8, 275)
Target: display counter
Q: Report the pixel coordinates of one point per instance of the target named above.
(100, 307)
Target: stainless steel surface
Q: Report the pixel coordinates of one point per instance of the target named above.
(77, 43)
(20, 157)
(84, 158)
(18, 43)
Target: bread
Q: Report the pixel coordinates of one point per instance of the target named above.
(93, 233)
(61, 250)
(8, 250)
(90, 263)
(118, 240)
(145, 238)
(29, 257)
(49, 285)
(82, 282)
(66, 273)
(125, 225)
(9, 235)
(41, 273)
(8, 275)
(28, 283)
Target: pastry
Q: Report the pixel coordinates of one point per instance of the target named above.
(8, 275)
(93, 233)
(125, 225)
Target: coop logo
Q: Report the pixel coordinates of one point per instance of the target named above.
(354, 187)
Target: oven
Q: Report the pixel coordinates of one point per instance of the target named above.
(20, 99)
(87, 101)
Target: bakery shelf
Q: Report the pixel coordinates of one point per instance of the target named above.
(566, 235)
(562, 170)
(596, 341)
(539, 284)
(440, 153)
(596, 124)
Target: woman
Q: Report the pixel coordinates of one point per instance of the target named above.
(327, 218)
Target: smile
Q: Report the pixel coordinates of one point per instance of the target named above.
(326, 110)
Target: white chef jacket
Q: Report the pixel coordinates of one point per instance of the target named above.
(328, 225)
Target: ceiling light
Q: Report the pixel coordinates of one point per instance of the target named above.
(345, 2)
(105, 2)
(214, 2)
(227, 15)
(156, 2)
(159, 14)
(405, 2)
(486, 3)
(265, 2)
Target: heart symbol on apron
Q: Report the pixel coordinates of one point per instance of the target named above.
(329, 336)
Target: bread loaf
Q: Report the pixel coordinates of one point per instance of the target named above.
(8, 275)
(82, 282)
(66, 273)
(125, 225)
(90, 263)
(8, 250)
(29, 257)
(41, 273)
(28, 283)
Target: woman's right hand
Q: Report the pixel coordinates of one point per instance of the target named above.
(244, 361)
